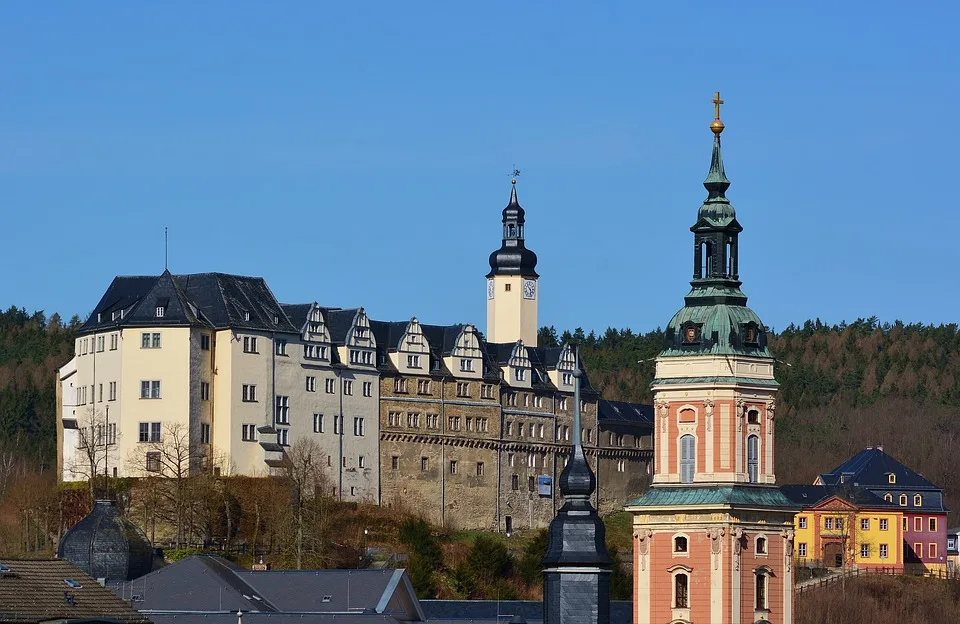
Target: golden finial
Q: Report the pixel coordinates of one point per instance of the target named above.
(717, 126)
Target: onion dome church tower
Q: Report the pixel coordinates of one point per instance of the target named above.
(576, 575)
(512, 292)
(713, 536)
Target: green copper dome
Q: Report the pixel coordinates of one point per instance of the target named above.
(715, 318)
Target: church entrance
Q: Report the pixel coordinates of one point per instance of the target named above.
(833, 555)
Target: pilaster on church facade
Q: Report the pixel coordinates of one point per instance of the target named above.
(713, 536)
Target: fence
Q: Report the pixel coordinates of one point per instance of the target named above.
(829, 579)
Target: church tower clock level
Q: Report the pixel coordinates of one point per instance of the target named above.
(512, 287)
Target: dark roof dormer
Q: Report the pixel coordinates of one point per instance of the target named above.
(513, 258)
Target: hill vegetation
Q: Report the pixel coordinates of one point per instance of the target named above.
(881, 600)
(843, 387)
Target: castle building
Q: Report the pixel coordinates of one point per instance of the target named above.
(923, 514)
(713, 536)
(209, 371)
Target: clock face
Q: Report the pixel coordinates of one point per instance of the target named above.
(489, 289)
(529, 289)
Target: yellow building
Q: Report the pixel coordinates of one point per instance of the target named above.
(845, 527)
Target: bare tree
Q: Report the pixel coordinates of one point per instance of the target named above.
(303, 470)
(175, 458)
(96, 444)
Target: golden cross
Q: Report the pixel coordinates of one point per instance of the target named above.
(717, 102)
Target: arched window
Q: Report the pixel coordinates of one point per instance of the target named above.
(680, 544)
(917, 500)
(761, 591)
(730, 261)
(753, 458)
(681, 591)
(888, 497)
(706, 259)
(688, 458)
(903, 500)
(761, 545)
(891, 478)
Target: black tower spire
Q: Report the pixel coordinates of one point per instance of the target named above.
(576, 568)
(513, 257)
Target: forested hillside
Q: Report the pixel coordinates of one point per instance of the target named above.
(32, 347)
(843, 387)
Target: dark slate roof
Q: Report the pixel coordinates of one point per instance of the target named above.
(623, 412)
(104, 544)
(813, 495)
(463, 611)
(223, 299)
(37, 591)
(297, 313)
(304, 590)
(207, 583)
(339, 323)
(196, 583)
(871, 467)
(215, 300)
(729, 495)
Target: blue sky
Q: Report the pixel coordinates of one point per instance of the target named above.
(358, 153)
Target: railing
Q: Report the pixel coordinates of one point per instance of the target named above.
(839, 575)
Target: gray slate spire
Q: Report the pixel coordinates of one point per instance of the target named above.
(576, 568)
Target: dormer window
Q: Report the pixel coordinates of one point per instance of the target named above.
(161, 311)
(520, 374)
(276, 319)
(751, 335)
(413, 361)
(917, 500)
(691, 334)
(891, 478)
(466, 365)
(246, 316)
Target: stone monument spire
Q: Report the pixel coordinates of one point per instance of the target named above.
(576, 568)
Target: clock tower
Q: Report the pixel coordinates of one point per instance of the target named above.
(512, 288)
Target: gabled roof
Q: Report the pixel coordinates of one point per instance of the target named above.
(37, 591)
(871, 468)
(818, 495)
(198, 582)
(207, 583)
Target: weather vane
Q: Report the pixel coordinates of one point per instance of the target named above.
(515, 174)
